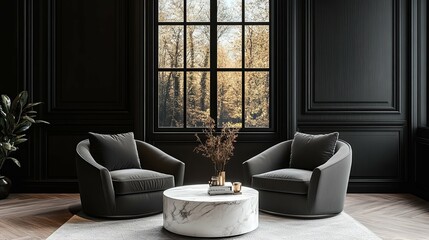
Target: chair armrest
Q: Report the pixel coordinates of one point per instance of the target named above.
(152, 158)
(275, 157)
(95, 183)
(328, 184)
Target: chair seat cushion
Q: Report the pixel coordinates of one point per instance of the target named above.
(287, 180)
(130, 181)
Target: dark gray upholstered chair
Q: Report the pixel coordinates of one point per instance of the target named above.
(126, 192)
(297, 192)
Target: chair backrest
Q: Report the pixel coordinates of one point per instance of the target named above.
(83, 151)
(343, 148)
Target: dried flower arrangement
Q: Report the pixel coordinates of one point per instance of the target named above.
(217, 147)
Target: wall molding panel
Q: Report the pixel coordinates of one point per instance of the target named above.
(346, 72)
(88, 57)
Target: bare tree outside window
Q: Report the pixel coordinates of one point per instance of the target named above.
(170, 99)
(198, 101)
(198, 10)
(213, 59)
(170, 53)
(229, 10)
(170, 10)
(229, 47)
(229, 102)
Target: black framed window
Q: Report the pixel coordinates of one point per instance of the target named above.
(213, 58)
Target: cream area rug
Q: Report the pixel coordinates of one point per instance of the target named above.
(342, 226)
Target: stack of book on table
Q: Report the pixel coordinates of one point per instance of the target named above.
(218, 190)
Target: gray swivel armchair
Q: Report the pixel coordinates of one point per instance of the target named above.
(298, 192)
(131, 192)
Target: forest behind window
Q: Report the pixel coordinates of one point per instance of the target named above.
(213, 59)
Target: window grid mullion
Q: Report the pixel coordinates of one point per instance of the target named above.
(155, 98)
(220, 23)
(213, 60)
(243, 121)
(185, 78)
(270, 64)
(219, 69)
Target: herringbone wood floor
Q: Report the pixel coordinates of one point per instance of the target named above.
(35, 216)
(390, 216)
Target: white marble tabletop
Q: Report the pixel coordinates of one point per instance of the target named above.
(198, 193)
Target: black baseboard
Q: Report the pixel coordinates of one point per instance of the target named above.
(422, 193)
(378, 187)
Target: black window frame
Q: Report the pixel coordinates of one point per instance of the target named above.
(152, 70)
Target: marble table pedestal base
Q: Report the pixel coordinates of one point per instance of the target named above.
(190, 211)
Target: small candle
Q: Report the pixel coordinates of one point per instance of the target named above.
(214, 181)
(236, 187)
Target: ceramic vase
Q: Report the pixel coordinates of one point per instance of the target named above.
(5, 184)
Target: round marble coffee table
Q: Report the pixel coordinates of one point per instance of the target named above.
(190, 211)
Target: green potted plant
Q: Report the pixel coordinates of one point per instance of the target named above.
(16, 117)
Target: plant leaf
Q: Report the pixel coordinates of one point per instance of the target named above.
(15, 161)
(23, 97)
(5, 101)
(13, 106)
(7, 146)
(22, 123)
(10, 122)
(42, 121)
(30, 105)
(2, 124)
(18, 103)
(31, 112)
(3, 114)
(29, 119)
(24, 126)
(5, 125)
(20, 136)
(19, 141)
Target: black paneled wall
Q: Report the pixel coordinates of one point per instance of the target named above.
(77, 56)
(340, 65)
(355, 61)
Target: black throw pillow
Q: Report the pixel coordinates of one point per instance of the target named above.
(114, 152)
(310, 151)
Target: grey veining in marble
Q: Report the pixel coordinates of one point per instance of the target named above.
(190, 211)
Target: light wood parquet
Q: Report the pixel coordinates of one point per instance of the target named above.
(35, 216)
(390, 216)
